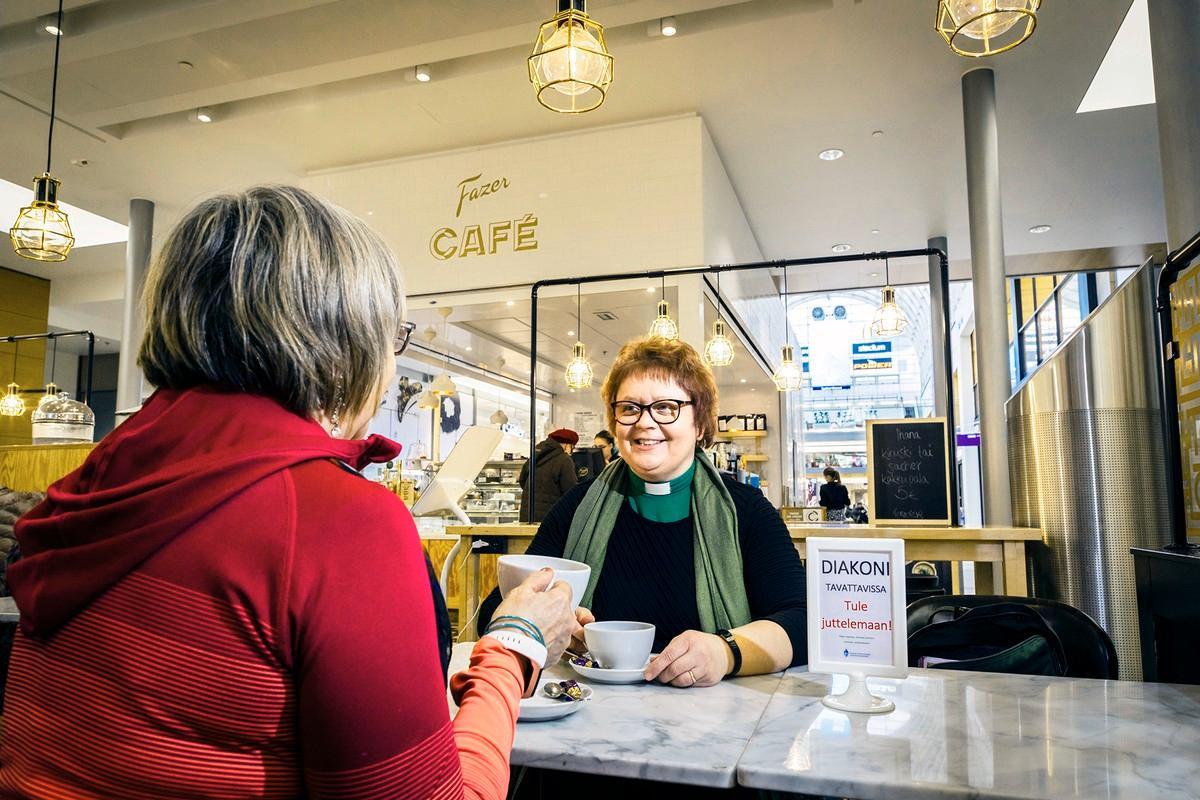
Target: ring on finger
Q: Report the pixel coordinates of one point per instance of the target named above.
(692, 675)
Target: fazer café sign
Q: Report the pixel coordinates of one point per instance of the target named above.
(487, 238)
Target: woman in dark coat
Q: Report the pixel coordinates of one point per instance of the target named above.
(835, 498)
(555, 474)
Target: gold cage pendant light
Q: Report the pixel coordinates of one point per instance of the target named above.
(12, 404)
(718, 351)
(663, 326)
(579, 369)
(789, 377)
(889, 319)
(42, 231)
(570, 67)
(979, 28)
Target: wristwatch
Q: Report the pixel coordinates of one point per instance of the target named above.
(733, 645)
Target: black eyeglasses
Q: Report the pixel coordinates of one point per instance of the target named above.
(401, 340)
(664, 412)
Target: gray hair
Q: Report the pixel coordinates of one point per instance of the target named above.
(273, 291)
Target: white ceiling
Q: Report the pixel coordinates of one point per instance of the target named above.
(303, 85)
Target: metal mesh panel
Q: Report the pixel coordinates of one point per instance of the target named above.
(1092, 480)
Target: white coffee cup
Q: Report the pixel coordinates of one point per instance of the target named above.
(511, 571)
(619, 645)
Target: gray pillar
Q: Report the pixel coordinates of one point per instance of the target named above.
(987, 274)
(137, 260)
(1174, 34)
(937, 324)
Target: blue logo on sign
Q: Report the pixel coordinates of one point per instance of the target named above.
(845, 654)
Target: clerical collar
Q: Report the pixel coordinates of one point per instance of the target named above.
(662, 502)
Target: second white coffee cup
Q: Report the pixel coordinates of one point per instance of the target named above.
(619, 645)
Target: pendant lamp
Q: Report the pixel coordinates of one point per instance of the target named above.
(42, 231)
(889, 318)
(663, 326)
(579, 371)
(12, 404)
(718, 351)
(789, 377)
(498, 417)
(427, 401)
(443, 385)
(570, 67)
(979, 28)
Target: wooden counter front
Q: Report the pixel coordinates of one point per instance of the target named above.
(33, 467)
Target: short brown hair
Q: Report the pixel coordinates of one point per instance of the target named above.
(273, 291)
(668, 359)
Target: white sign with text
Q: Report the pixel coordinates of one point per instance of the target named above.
(857, 622)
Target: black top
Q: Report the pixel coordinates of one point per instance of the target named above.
(649, 572)
(834, 496)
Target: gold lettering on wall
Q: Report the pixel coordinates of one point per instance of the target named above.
(484, 239)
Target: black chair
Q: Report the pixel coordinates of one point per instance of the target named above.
(1089, 650)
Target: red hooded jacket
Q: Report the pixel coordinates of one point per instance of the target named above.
(212, 607)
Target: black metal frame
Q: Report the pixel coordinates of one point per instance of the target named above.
(50, 336)
(943, 260)
(1176, 262)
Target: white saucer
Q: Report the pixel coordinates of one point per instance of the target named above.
(540, 708)
(601, 675)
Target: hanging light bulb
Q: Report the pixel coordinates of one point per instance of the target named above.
(570, 67)
(718, 351)
(978, 28)
(663, 326)
(42, 231)
(789, 377)
(443, 385)
(889, 319)
(498, 417)
(12, 404)
(579, 371)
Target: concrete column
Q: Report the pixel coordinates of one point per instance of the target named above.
(987, 274)
(1174, 34)
(137, 261)
(937, 324)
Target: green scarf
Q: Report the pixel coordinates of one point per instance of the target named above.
(720, 587)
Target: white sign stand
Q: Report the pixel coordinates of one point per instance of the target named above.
(857, 624)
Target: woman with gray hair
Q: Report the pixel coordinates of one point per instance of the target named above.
(216, 604)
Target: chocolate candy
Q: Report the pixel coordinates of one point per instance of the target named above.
(583, 661)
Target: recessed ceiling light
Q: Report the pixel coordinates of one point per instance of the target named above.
(874, 274)
(649, 290)
(877, 134)
(752, 388)
(1040, 229)
(874, 231)
(79, 162)
(667, 26)
(421, 73)
(203, 115)
(511, 303)
(370, 213)
(842, 248)
(570, 333)
(469, 349)
(743, 380)
(832, 154)
(52, 29)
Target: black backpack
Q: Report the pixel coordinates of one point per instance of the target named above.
(999, 637)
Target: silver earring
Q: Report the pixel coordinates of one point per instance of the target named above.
(338, 402)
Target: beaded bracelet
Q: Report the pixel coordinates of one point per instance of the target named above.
(532, 634)
(536, 631)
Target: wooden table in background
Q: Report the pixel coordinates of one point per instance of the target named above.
(1002, 548)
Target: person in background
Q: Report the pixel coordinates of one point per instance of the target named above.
(607, 444)
(555, 474)
(216, 604)
(672, 541)
(835, 498)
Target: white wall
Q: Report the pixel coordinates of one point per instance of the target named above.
(618, 199)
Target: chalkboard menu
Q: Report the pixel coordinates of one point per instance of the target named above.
(908, 473)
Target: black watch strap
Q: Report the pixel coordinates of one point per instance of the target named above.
(733, 645)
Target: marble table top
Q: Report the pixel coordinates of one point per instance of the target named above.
(981, 735)
(649, 731)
